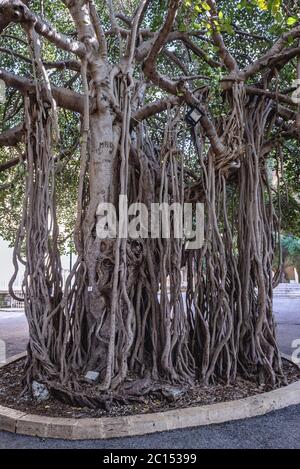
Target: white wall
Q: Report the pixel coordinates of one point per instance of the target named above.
(7, 269)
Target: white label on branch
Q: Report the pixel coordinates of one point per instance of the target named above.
(2, 91)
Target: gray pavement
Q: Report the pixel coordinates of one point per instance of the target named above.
(287, 310)
(14, 331)
(280, 429)
(287, 317)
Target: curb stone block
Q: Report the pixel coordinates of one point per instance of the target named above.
(45, 427)
(145, 423)
(9, 418)
(223, 412)
(61, 426)
(33, 425)
(13, 359)
(88, 429)
(116, 426)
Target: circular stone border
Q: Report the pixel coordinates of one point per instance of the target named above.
(23, 423)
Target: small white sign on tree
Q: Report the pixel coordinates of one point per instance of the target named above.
(2, 352)
(2, 92)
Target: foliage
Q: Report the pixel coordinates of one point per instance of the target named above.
(265, 19)
(291, 250)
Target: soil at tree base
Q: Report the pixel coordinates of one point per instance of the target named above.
(11, 389)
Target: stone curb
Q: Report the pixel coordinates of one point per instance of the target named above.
(15, 358)
(113, 427)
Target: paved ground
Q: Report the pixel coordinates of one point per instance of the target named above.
(287, 316)
(280, 429)
(14, 330)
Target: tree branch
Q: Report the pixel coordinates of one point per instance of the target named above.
(270, 94)
(98, 30)
(11, 137)
(271, 54)
(175, 60)
(9, 164)
(162, 36)
(228, 60)
(197, 50)
(14, 161)
(154, 108)
(15, 11)
(59, 65)
(65, 98)
(178, 88)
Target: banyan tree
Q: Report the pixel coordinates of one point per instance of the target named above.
(109, 85)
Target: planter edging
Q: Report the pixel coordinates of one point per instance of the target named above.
(23, 423)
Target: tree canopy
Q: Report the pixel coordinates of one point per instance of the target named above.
(248, 28)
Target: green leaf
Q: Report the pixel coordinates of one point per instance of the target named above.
(196, 26)
(242, 4)
(226, 26)
(262, 4)
(221, 16)
(275, 6)
(291, 20)
(205, 6)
